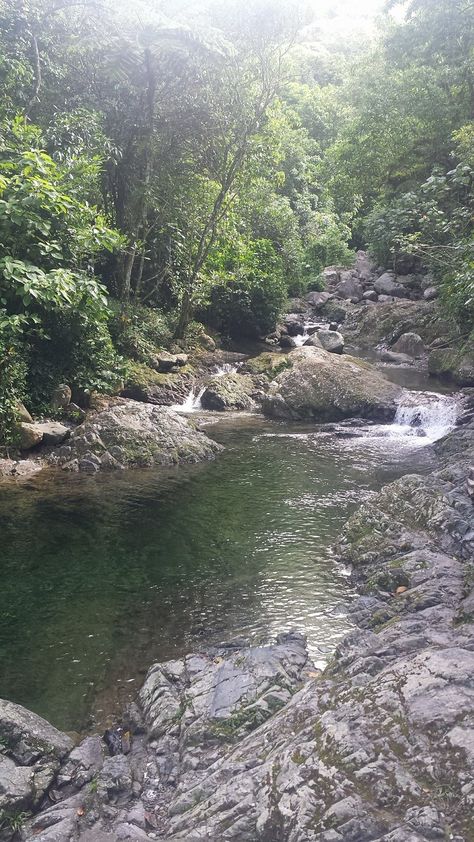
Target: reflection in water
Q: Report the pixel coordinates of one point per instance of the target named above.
(103, 575)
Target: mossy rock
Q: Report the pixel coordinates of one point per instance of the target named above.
(454, 364)
(268, 363)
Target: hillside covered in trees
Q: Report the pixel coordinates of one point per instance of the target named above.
(167, 166)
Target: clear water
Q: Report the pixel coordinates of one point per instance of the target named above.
(103, 575)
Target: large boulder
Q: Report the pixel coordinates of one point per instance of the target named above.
(410, 344)
(133, 435)
(229, 392)
(324, 387)
(387, 285)
(30, 435)
(317, 300)
(349, 287)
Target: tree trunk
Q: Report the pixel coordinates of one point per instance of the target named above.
(185, 314)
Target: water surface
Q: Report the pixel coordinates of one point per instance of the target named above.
(103, 575)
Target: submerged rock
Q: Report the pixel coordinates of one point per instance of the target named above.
(132, 435)
(324, 387)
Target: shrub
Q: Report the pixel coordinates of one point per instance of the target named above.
(138, 331)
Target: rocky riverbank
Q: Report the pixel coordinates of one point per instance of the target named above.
(252, 743)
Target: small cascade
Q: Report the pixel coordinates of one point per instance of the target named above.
(225, 368)
(301, 339)
(190, 404)
(427, 413)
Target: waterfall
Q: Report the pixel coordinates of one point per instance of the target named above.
(192, 403)
(432, 414)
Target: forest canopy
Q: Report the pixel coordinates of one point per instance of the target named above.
(162, 162)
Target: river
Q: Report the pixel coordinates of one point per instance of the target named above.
(103, 575)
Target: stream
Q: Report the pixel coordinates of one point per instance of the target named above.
(104, 575)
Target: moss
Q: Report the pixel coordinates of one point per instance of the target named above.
(269, 364)
(298, 758)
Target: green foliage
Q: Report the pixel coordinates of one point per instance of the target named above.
(13, 371)
(54, 310)
(138, 331)
(247, 290)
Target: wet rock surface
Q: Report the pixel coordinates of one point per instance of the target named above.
(133, 434)
(252, 744)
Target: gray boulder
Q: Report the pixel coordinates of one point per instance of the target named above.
(387, 285)
(133, 435)
(370, 295)
(431, 293)
(31, 753)
(349, 287)
(331, 340)
(317, 300)
(327, 387)
(410, 344)
(53, 432)
(30, 435)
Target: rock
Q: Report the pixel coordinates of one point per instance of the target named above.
(164, 362)
(22, 413)
(19, 468)
(182, 359)
(53, 432)
(229, 392)
(370, 295)
(327, 387)
(365, 328)
(409, 281)
(74, 413)
(431, 293)
(132, 435)
(317, 300)
(335, 311)
(313, 341)
(410, 344)
(387, 285)
(331, 341)
(287, 341)
(330, 275)
(364, 267)
(397, 359)
(31, 754)
(30, 435)
(349, 287)
(207, 342)
(387, 299)
(294, 325)
(61, 396)
(456, 364)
